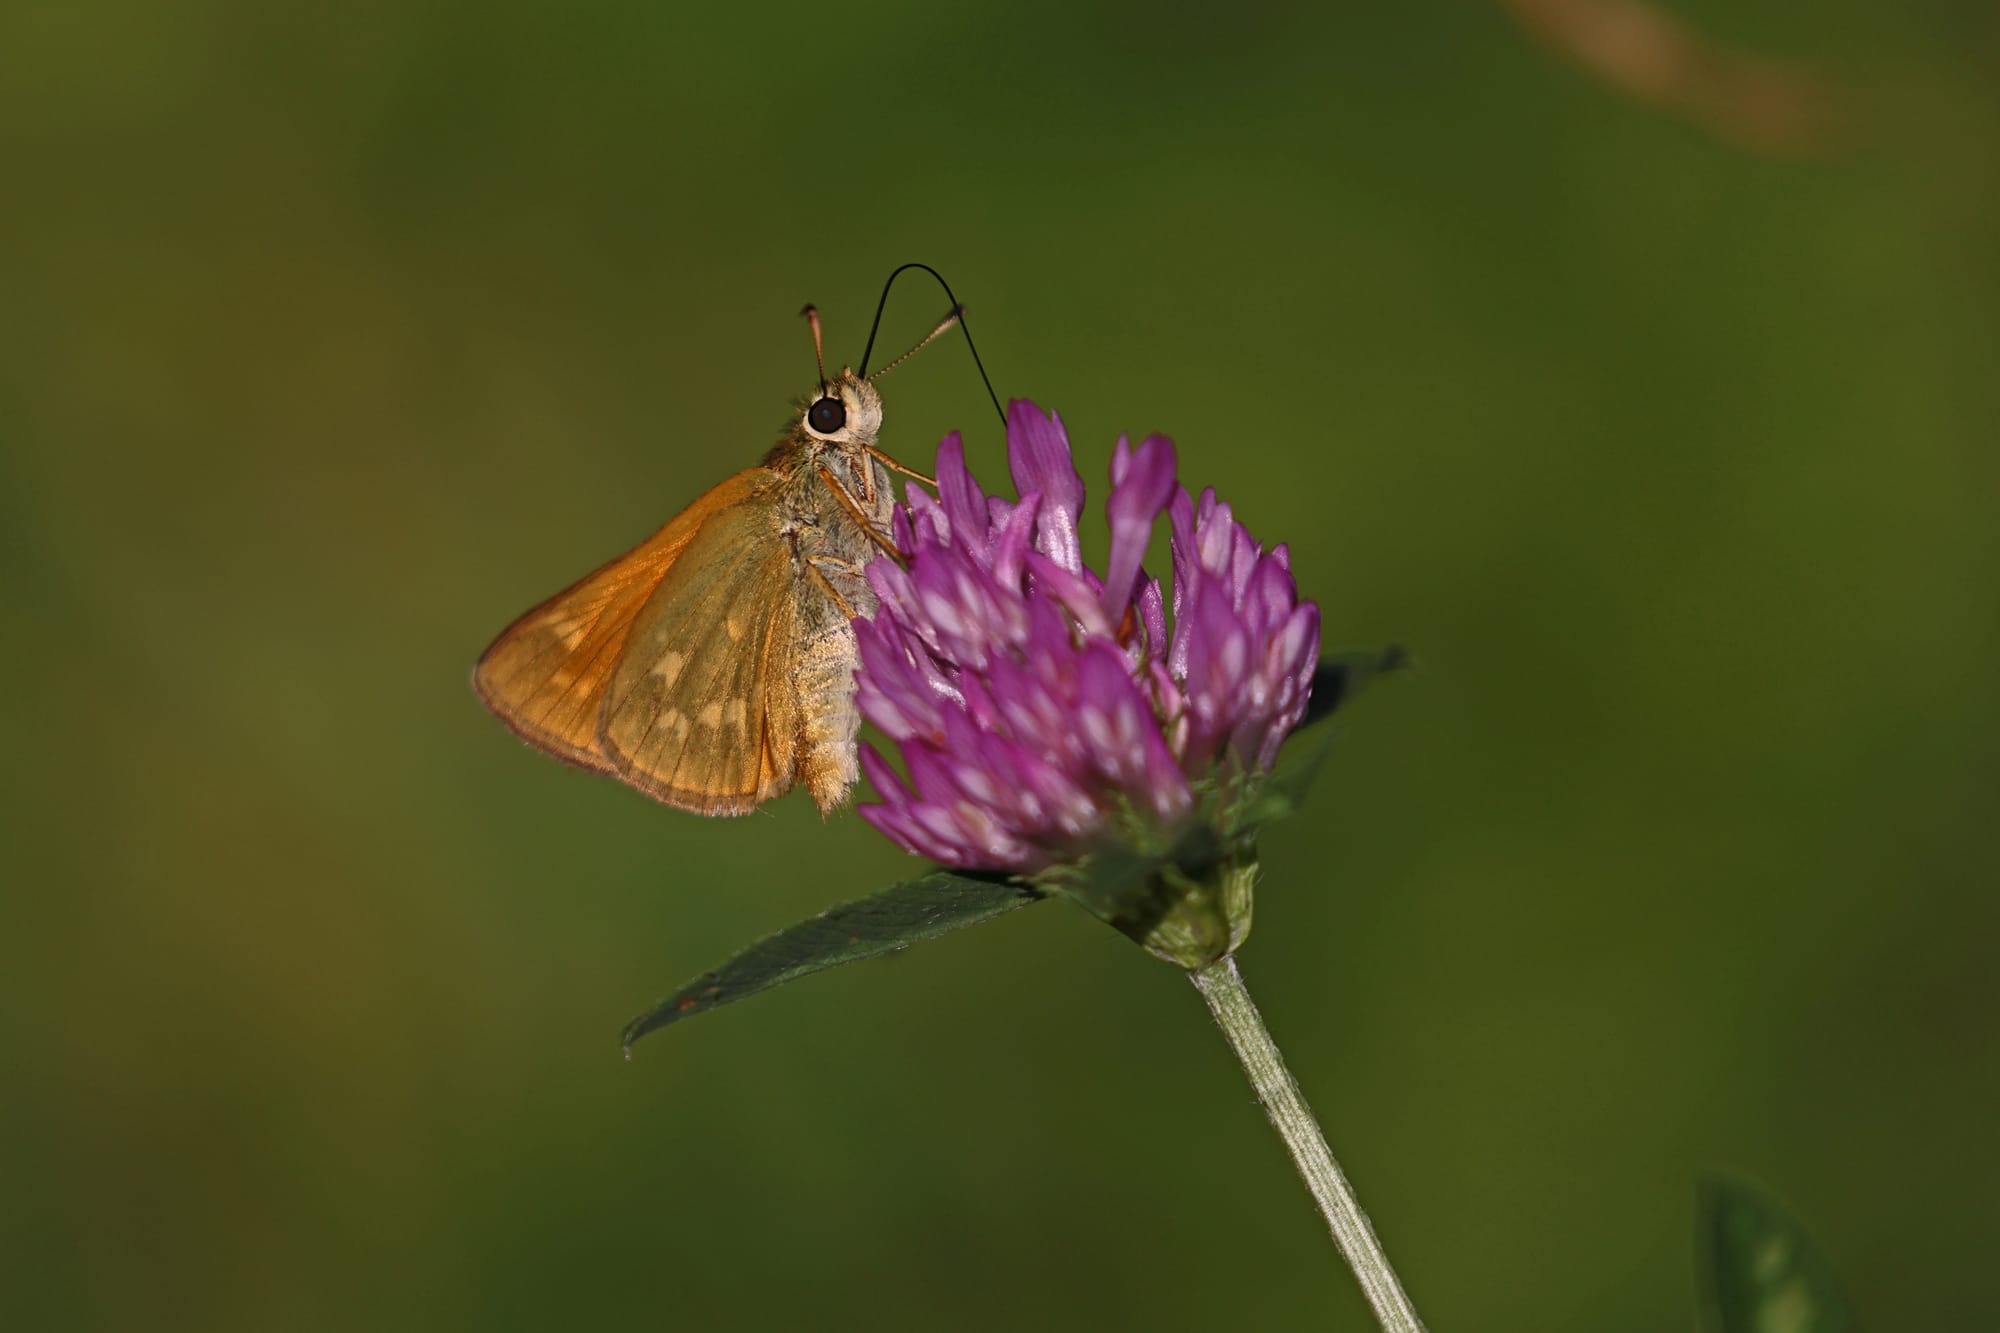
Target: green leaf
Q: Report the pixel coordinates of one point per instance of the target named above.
(1758, 1270)
(1339, 677)
(895, 918)
(1284, 791)
(1334, 683)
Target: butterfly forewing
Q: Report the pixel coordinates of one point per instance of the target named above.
(712, 667)
(701, 711)
(545, 675)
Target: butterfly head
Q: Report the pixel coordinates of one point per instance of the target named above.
(848, 411)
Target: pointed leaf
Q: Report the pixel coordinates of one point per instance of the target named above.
(882, 923)
(1299, 763)
(1284, 791)
(1759, 1272)
(1338, 678)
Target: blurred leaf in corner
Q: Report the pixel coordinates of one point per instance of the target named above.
(1758, 1270)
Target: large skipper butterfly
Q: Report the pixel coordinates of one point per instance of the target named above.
(712, 666)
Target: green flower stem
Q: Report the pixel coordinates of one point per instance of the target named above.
(1222, 986)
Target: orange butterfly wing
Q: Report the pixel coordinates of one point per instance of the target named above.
(546, 674)
(702, 710)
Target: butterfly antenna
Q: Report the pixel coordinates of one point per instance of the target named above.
(957, 315)
(954, 317)
(819, 354)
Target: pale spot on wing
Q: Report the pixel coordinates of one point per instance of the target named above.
(711, 715)
(737, 713)
(571, 629)
(674, 722)
(668, 668)
(735, 628)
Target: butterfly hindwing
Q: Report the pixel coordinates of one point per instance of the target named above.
(702, 709)
(545, 675)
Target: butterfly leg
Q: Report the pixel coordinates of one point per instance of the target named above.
(814, 563)
(842, 494)
(894, 466)
(839, 566)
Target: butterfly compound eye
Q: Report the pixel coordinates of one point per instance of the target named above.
(826, 416)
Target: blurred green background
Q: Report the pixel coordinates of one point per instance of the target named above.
(332, 338)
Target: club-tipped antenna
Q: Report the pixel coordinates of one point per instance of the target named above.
(811, 313)
(957, 315)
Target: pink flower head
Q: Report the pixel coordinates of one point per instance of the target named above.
(1041, 708)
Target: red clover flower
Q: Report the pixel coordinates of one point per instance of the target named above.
(1045, 713)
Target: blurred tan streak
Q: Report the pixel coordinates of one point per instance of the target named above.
(1766, 106)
